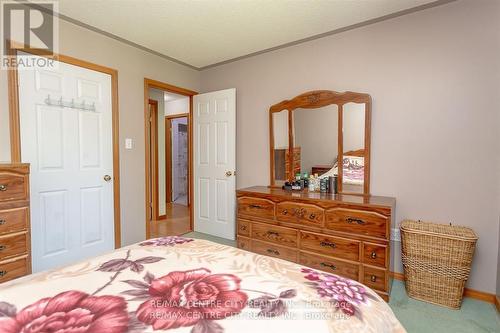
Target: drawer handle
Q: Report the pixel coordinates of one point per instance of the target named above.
(312, 216)
(2, 222)
(275, 252)
(2, 247)
(3, 273)
(373, 278)
(285, 211)
(299, 212)
(324, 264)
(273, 233)
(243, 227)
(352, 220)
(3, 188)
(332, 245)
(255, 206)
(373, 255)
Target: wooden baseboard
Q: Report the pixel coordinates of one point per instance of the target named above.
(476, 294)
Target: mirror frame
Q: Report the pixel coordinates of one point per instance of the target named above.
(317, 99)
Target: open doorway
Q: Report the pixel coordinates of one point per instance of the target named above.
(168, 159)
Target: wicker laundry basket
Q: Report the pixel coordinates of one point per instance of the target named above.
(436, 260)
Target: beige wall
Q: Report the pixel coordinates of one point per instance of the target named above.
(434, 78)
(132, 65)
(177, 106)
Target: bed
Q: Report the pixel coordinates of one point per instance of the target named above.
(177, 284)
(353, 170)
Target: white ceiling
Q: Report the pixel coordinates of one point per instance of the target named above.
(202, 33)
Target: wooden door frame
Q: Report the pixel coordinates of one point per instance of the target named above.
(154, 138)
(168, 156)
(148, 84)
(15, 128)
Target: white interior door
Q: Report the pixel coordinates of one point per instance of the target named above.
(71, 153)
(214, 140)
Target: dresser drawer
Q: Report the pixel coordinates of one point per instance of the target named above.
(330, 265)
(243, 243)
(13, 186)
(256, 207)
(332, 246)
(10, 270)
(305, 214)
(243, 228)
(273, 250)
(274, 234)
(13, 220)
(374, 254)
(375, 278)
(11, 246)
(358, 222)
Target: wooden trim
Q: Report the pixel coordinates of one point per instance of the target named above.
(168, 153)
(471, 293)
(291, 146)
(168, 87)
(480, 295)
(340, 148)
(366, 159)
(271, 150)
(497, 303)
(149, 83)
(153, 116)
(15, 138)
(316, 99)
(397, 276)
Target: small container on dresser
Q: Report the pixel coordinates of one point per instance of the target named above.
(341, 234)
(15, 241)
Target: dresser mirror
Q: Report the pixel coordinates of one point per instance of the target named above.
(280, 143)
(317, 132)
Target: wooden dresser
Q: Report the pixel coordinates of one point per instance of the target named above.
(15, 249)
(347, 235)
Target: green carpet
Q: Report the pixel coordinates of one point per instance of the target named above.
(416, 316)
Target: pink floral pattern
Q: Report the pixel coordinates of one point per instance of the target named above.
(69, 312)
(127, 291)
(166, 241)
(347, 293)
(189, 298)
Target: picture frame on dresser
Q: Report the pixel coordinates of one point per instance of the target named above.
(15, 229)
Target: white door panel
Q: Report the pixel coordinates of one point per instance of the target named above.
(214, 155)
(70, 151)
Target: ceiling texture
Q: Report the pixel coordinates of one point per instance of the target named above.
(202, 34)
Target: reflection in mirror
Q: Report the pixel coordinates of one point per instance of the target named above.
(315, 133)
(353, 115)
(280, 137)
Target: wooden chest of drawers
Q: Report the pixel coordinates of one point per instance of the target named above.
(341, 234)
(15, 242)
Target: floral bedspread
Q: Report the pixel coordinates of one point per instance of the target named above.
(176, 284)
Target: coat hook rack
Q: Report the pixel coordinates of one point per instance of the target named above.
(72, 105)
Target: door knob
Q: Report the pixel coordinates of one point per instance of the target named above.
(107, 178)
(3, 187)
(229, 173)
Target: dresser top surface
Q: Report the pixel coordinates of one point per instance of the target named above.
(370, 200)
